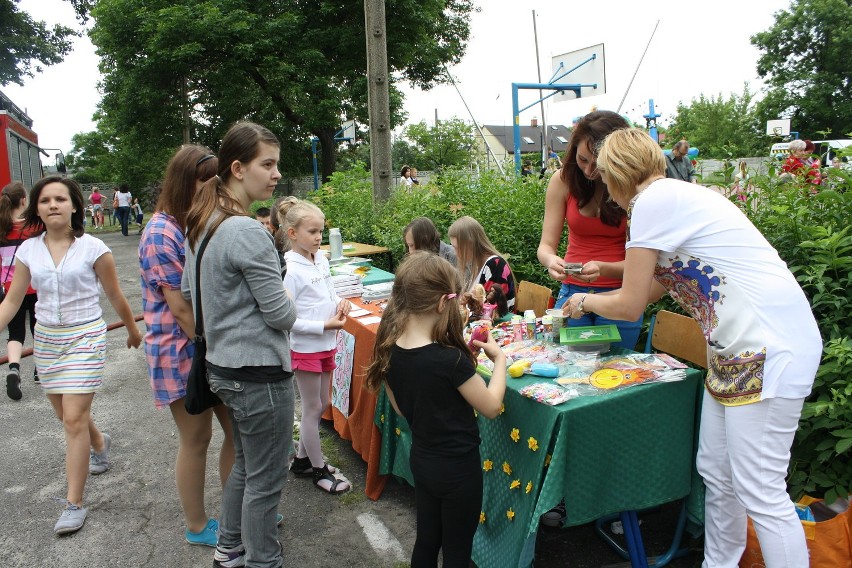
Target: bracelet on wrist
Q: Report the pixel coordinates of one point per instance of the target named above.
(580, 304)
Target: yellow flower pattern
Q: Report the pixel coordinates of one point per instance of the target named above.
(510, 514)
(487, 465)
(482, 517)
(528, 488)
(502, 408)
(507, 469)
(547, 460)
(382, 418)
(515, 435)
(398, 431)
(515, 484)
(533, 444)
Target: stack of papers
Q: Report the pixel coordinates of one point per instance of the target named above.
(377, 291)
(347, 286)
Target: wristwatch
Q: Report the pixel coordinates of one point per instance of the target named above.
(580, 304)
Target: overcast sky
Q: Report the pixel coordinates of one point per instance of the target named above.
(699, 47)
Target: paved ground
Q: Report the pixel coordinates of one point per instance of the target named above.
(134, 514)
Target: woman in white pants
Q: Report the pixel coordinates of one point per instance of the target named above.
(763, 343)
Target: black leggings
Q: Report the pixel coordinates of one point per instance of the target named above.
(17, 325)
(448, 495)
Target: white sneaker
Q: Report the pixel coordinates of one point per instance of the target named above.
(71, 520)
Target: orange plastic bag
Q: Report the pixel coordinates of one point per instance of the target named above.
(829, 542)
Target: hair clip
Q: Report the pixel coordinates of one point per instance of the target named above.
(451, 296)
(204, 159)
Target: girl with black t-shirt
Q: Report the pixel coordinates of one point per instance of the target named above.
(429, 375)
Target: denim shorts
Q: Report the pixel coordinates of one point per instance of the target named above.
(629, 330)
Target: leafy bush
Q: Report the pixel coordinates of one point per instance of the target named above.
(812, 230)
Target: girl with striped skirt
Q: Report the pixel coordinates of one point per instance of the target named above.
(69, 346)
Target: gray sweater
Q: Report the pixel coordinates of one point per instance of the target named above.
(247, 313)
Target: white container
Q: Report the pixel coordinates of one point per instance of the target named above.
(335, 242)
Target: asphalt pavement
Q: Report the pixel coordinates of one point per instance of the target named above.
(135, 517)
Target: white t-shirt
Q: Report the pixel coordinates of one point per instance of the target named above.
(68, 294)
(763, 338)
(124, 198)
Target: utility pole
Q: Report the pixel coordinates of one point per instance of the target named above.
(378, 98)
(184, 94)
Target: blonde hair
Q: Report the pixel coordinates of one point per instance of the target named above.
(290, 213)
(421, 281)
(474, 248)
(627, 158)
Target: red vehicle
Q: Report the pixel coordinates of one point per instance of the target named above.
(19, 149)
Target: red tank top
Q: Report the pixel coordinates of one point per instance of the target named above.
(590, 239)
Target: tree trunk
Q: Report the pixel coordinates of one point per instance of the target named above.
(328, 153)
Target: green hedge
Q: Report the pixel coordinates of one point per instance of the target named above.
(810, 228)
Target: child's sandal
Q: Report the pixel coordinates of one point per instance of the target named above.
(322, 474)
(301, 467)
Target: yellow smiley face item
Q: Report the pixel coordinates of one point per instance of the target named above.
(606, 378)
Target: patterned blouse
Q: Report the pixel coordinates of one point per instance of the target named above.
(167, 348)
(496, 272)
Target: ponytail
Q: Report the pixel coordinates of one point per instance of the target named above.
(10, 199)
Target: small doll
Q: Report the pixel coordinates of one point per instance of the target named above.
(474, 302)
(497, 299)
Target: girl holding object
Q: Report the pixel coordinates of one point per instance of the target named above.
(314, 335)
(13, 203)
(478, 260)
(69, 344)
(168, 344)
(428, 372)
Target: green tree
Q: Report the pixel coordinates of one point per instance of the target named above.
(720, 128)
(448, 143)
(299, 68)
(28, 45)
(805, 61)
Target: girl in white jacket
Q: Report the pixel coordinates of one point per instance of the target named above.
(313, 339)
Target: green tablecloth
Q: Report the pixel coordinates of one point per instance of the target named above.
(376, 276)
(623, 450)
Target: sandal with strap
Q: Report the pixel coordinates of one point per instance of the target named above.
(322, 474)
(301, 467)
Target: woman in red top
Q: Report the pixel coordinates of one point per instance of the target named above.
(13, 202)
(96, 199)
(596, 225)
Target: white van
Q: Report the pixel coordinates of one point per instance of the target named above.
(780, 151)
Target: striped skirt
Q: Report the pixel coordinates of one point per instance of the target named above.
(70, 359)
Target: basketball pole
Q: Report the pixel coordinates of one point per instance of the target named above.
(637, 67)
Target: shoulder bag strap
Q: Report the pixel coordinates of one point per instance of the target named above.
(199, 314)
(6, 272)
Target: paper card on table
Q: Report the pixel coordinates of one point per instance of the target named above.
(369, 320)
(342, 379)
(358, 312)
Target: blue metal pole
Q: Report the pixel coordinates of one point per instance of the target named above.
(314, 140)
(651, 121)
(516, 128)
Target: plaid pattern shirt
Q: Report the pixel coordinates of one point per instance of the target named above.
(167, 348)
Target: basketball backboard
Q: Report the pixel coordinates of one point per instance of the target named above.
(588, 69)
(778, 127)
(347, 131)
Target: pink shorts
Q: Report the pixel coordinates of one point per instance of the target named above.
(313, 362)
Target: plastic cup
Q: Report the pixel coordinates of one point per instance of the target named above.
(558, 322)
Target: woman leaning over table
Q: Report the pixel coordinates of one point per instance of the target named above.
(763, 343)
(247, 315)
(578, 198)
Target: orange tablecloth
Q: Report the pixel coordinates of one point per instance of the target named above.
(359, 428)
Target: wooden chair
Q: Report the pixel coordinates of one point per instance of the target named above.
(532, 296)
(680, 336)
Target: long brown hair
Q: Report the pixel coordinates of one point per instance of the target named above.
(421, 281)
(74, 192)
(189, 165)
(474, 248)
(241, 144)
(424, 233)
(591, 130)
(10, 199)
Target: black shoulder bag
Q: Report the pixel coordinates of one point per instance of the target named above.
(199, 397)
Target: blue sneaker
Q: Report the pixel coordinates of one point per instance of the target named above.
(279, 518)
(99, 462)
(206, 536)
(71, 520)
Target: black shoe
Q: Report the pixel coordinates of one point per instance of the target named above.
(13, 384)
(35, 376)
